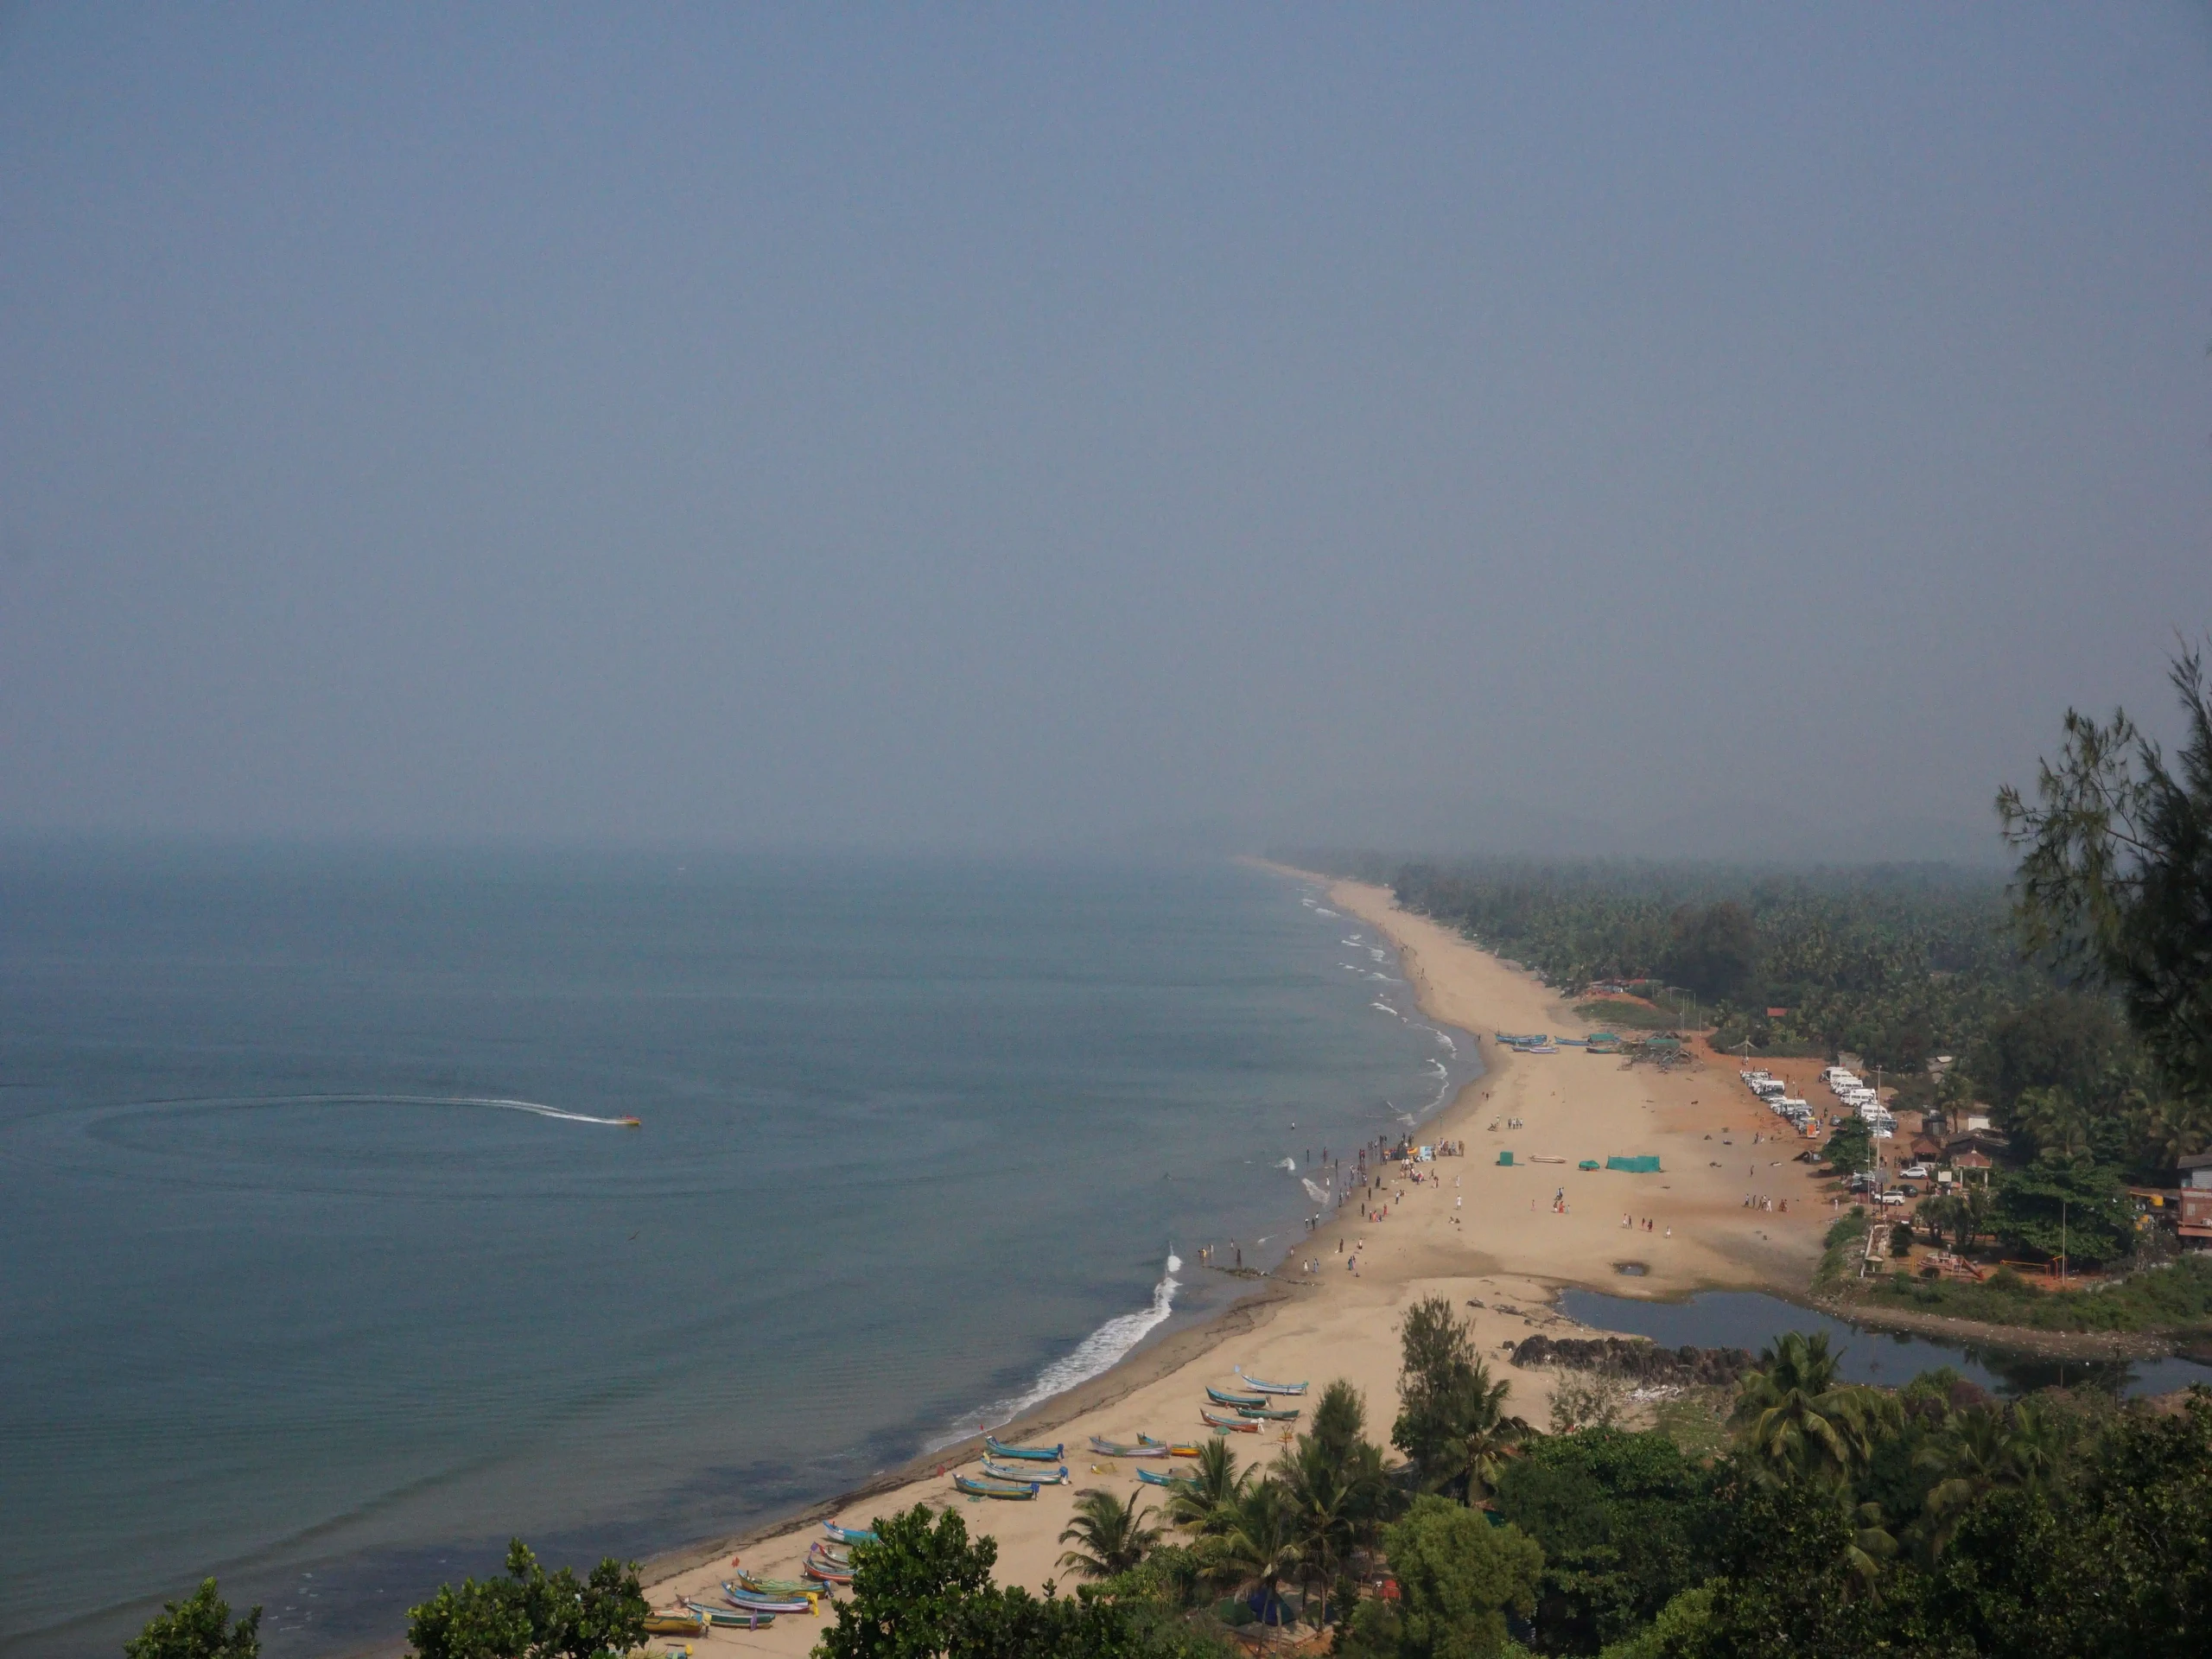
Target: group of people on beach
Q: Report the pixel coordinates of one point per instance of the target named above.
(1644, 1224)
(1755, 1201)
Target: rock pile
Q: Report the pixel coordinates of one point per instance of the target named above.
(1636, 1361)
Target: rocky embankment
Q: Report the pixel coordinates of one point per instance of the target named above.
(1645, 1364)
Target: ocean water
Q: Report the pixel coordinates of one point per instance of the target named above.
(325, 1265)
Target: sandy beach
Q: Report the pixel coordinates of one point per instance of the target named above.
(1479, 1232)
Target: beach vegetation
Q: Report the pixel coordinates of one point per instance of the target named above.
(199, 1627)
(1257, 1546)
(924, 1591)
(1453, 1422)
(1458, 1578)
(532, 1614)
(1202, 1501)
(1113, 1533)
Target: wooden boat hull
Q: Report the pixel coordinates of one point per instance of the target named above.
(1029, 1453)
(1234, 1425)
(1016, 1491)
(1145, 1449)
(736, 1618)
(1288, 1414)
(849, 1534)
(805, 1600)
(1161, 1477)
(998, 1470)
(675, 1625)
(1258, 1386)
(1221, 1398)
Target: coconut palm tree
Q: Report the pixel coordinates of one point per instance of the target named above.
(1323, 1503)
(1113, 1533)
(1259, 1541)
(1203, 1502)
(1981, 1450)
(1797, 1420)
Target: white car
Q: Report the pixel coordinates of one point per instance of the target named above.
(1913, 1172)
(1896, 1198)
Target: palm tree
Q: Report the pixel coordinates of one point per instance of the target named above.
(1798, 1420)
(1259, 1543)
(1980, 1452)
(1203, 1502)
(1114, 1532)
(1322, 1504)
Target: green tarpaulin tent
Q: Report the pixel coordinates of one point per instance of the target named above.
(1645, 1164)
(1504, 1157)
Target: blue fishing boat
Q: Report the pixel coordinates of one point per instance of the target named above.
(1220, 1397)
(803, 1600)
(1161, 1477)
(849, 1534)
(736, 1619)
(1270, 1387)
(1032, 1454)
(1286, 1415)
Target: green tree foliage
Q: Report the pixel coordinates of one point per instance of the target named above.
(924, 1591)
(199, 1627)
(1714, 950)
(2115, 872)
(2066, 1039)
(1257, 1546)
(1203, 1501)
(1621, 1518)
(1797, 1421)
(1457, 1578)
(532, 1614)
(1111, 1532)
(1851, 1149)
(1452, 1418)
(2079, 1209)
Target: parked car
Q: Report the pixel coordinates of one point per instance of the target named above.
(1910, 1192)
(1896, 1198)
(1913, 1172)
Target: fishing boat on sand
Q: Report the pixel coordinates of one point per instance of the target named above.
(827, 1571)
(997, 1470)
(807, 1598)
(1145, 1447)
(984, 1486)
(1252, 1382)
(1031, 1454)
(1288, 1414)
(1233, 1425)
(1182, 1451)
(736, 1618)
(1222, 1398)
(751, 1584)
(848, 1534)
(684, 1624)
(1161, 1477)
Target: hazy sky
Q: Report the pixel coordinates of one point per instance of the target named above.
(1741, 428)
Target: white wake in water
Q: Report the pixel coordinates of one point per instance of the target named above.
(1099, 1351)
(534, 1108)
(1319, 1194)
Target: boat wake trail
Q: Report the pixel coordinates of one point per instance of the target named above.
(1319, 1194)
(1099, 1351)
(530, 1106)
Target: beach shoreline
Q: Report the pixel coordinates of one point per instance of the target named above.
(1501, 1263)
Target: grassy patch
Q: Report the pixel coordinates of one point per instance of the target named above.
(2171, 1299)
(1847, 1243)
(1628, 1016)
(1696, 1420)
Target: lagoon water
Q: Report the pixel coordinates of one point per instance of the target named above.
(320, 1268)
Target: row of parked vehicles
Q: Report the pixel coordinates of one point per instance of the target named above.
(1861, 1098)
(1776, 1093)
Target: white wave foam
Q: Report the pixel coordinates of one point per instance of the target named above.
(1098, 1352)
(1320, 909)
(1290, 1164)
(535, 1109)
(1319, 1194)
(1386, 1008)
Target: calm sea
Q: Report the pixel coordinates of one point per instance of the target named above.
(322, 1269)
